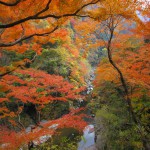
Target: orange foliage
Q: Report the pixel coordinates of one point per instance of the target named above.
(13, 140)
(37, 87)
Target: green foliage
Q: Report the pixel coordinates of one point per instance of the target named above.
(40, 90)
(134, 44)
(52, 61)
(66, 139)
(119, 131)
(55, 110)
(8, 57)
(141, 107)
(95, 55)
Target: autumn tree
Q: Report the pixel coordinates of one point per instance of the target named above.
(25, 22)
(22, 30)
(116, 12)
(11, 140)
(34, 25)
(36, 87)
(30, 86)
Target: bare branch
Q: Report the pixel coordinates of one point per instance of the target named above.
(34, 57)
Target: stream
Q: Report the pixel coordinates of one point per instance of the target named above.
(88, 139)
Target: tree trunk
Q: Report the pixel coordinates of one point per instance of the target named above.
(124, 85)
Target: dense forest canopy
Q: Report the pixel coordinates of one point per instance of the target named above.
(48, 50)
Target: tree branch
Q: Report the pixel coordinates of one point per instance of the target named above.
(27, 37)
(71, 14)
(10, 4)
(27, 18)
(34, 57)
(120, 75)
(3, 74)
(37, 15)
(124, 85)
